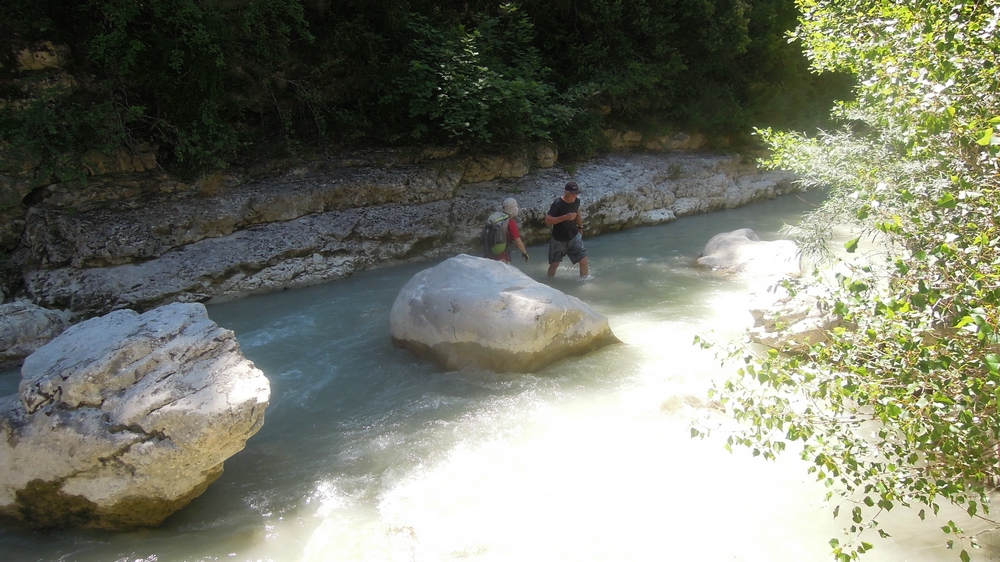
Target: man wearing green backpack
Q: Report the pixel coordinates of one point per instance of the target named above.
(500, 231)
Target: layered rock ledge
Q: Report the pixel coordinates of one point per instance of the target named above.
(145, 241)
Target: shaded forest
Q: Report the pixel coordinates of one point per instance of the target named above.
(209, 83)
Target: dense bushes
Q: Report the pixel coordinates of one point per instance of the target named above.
(211, 81)
(487, 85)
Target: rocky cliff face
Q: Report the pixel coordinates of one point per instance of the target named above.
(147, 239)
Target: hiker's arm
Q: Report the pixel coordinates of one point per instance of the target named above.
(550, 220)
(520, 246)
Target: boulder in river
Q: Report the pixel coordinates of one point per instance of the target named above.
(470, 312)
(122, 420)
(742, 251)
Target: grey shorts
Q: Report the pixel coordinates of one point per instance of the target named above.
(574, 249)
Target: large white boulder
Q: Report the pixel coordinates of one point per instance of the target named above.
(742, 251)
(122, 420)
(470, 312)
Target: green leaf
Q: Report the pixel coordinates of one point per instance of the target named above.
(987, 137)
(851, 246)
(947, 201)
(993, 362)
(964, 556)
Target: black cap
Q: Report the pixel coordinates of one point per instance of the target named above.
(572, 187)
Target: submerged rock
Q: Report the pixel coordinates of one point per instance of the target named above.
(791, 316)
(124, 419)
(470, 312)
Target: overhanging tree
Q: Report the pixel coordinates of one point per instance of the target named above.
(903, 407)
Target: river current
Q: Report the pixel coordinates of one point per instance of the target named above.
(371, 454)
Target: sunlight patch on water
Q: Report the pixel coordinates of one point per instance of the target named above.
(605, 478)
(585, 481)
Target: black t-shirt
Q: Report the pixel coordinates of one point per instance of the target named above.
(566, 230)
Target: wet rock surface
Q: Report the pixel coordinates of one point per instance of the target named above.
(25, 327)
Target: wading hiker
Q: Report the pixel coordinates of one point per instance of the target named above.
(501, 231)
(567, 231)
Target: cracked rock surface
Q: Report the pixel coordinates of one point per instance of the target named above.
(123, 419)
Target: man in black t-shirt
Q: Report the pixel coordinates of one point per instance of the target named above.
(567, 231)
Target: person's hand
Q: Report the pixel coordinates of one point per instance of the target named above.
(525, 255)
(570, 216)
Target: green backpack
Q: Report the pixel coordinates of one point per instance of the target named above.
(494, 234)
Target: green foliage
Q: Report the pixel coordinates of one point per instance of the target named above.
(483, 86)
(641, 57)
(209, 82)
(52, 136)
(902, 407)
(199, 72)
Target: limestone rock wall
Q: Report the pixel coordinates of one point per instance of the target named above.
(146, 242)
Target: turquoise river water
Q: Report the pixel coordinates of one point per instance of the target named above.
(370, 454)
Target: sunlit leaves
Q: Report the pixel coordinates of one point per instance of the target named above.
(904, 399)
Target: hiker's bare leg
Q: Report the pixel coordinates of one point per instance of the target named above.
(552, 269)
(584, 267)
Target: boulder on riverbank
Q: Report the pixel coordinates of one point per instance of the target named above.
(742, 251)
(470, 312)
(25, 327)
(124, 419)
